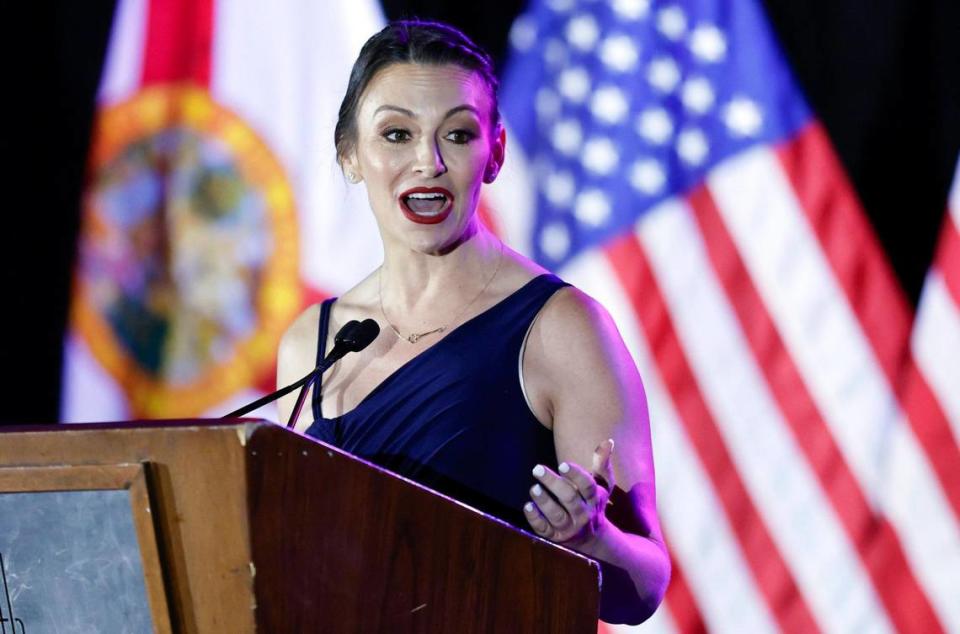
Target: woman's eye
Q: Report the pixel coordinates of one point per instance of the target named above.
(461, 136)
(396, 135)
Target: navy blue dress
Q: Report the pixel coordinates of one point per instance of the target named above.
(454, 417)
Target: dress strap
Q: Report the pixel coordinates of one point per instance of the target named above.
(321, 353)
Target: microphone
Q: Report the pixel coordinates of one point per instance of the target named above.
(354, 336)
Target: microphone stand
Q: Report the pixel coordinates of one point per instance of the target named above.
(269, 398)
(353, 337)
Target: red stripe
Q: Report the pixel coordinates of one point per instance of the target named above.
(873, 537)
(178, 42)
(859, 264)
(771, 574)
(682, 604)
(489, 218)
(948, 258)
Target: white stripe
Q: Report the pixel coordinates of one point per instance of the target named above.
(511, 198)
(89, 394)
(953, 202)
(824, 338)
(696, 526)
(123, 66)
(284, 69)
(936, 345)
(801, 519)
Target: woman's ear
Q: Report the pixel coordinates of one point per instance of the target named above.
(351, 169)
(497, 155)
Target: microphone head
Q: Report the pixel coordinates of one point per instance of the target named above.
(355, 335)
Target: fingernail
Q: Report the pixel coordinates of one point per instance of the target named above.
(612, 443)
(564, 467)
(538, 471)
(537, 490)
(528, 507)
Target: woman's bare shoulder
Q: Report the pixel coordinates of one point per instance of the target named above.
(516, 270)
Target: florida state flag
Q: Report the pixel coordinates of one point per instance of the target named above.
(214, 210)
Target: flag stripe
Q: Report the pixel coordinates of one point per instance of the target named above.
(123, 66)
(773, 577)
(695, 525)
(848, 243)
(936, 344)
(825, 340)
(682, 604)
(178, 42)
(948, 258)
(872, 535)
(869, 286)
(753, 428)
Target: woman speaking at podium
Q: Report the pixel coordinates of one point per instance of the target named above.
(493, 381)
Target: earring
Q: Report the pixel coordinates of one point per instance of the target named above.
(351, 177)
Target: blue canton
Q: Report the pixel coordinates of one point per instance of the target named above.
(622, 104)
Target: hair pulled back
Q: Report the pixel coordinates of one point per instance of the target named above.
(410, 41)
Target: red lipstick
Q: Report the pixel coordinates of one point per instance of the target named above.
(426, 205)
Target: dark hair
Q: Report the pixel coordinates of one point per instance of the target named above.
(410, 41)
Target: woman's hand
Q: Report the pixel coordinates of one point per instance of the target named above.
(568, 507)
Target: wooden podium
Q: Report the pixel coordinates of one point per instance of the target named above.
(244, 526)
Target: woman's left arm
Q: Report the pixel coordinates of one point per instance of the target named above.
(601, 499)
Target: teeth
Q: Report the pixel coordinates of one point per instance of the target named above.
(421, 196)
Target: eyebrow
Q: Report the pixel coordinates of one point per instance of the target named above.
(410, 113)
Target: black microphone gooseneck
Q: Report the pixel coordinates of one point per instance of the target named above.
(353, 337)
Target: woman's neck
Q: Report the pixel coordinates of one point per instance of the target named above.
(412, 280)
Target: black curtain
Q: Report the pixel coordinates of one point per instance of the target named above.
(882, 76)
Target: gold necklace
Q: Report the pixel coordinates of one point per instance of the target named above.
(414, 337)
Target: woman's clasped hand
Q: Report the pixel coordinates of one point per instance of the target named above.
(568, 506)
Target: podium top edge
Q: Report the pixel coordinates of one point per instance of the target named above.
(138, 424)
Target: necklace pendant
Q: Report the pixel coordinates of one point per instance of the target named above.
(413, 338)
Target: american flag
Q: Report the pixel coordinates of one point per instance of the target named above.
(808, 473)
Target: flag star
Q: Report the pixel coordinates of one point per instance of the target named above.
(655, 125)
(547, 104)
(567, 137)
(692, 146)
(555, 241)
(697, 95)
(647, 176)
(574, 84)
(600, 156)
(708, 43)
(582, 32)
(559, 188)
(663, 74)
(619, 53)
(672, 22)
(523, 33)
(609, 105)
(592, 207)
(631, 9)
(743, 117)
(560, 6)
(555, 53)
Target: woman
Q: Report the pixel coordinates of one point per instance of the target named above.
(492, 381)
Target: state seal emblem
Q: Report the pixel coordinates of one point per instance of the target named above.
(188, 266)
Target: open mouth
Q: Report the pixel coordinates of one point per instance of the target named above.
(426, 205)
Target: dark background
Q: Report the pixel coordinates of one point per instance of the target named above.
(883, 75)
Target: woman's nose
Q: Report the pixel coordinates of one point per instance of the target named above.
(429, 159)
